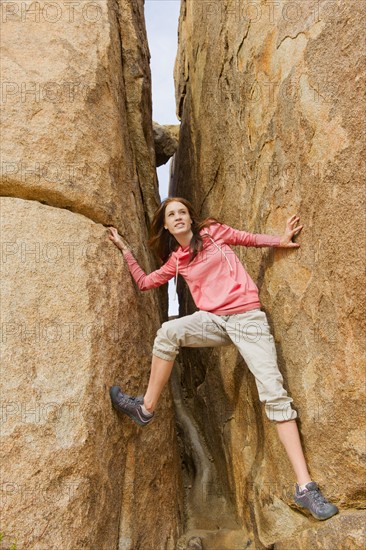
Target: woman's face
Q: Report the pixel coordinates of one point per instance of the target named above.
(177, 219)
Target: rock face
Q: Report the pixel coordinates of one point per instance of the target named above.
(62, 115)
(271, 108)
(78, 154)
(346, 530)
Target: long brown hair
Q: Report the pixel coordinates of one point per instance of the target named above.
(164, 243)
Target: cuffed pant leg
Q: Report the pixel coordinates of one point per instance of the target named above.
(251, 334)
(199, 330)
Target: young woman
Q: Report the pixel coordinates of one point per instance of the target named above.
(228, 312)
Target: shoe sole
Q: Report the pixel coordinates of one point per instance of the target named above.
(308, 513)
(127, 413)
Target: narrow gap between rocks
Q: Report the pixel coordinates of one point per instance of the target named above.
(210, 517)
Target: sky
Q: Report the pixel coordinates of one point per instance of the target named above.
(161, 18)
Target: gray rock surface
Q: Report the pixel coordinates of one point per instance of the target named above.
(166, 139)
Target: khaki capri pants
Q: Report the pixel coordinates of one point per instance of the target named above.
(250, 333)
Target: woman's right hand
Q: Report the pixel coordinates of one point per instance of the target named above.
(117, 239)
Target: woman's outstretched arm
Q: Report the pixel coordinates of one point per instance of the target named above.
(236, 237)
(143, 281)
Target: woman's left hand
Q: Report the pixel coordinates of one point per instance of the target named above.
(291, 230)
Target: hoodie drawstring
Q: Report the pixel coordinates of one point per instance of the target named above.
(176, 278)
(222, 251)
(176, 264)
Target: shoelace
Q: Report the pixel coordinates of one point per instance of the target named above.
(318, 497)
(129, 400)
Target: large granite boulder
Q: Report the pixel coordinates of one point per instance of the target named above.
(78, 155)
(270, 99)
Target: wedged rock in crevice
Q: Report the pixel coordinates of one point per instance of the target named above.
(166, 139)
(271, 107)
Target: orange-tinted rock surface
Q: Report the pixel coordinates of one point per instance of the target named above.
(270, 98)
(78, 155)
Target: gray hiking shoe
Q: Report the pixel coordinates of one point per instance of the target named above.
(312, 499)
(130, 406)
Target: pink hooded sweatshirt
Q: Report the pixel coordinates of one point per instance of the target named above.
(216, 278)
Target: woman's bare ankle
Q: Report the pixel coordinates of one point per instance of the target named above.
(149, 405)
